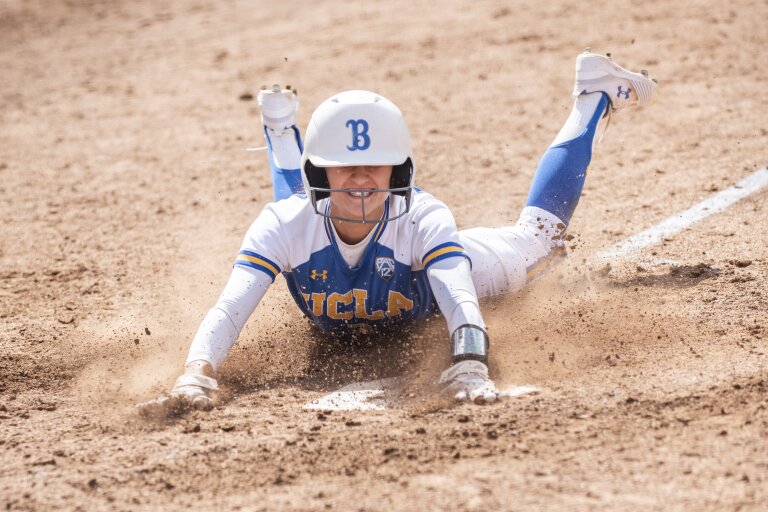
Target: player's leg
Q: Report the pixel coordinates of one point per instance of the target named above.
(505, 259)
(562, 169)
(601, 87)
(278, 112)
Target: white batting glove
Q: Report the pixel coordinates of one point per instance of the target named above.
(191, 391)
(193, 388)
(468, 380)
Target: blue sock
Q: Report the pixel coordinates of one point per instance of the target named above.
(562, 169)
(285, 182)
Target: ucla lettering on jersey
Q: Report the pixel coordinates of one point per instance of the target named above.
(388, 286)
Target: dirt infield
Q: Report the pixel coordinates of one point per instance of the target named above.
(125, 192)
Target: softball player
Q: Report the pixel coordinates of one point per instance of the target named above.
(361, 247)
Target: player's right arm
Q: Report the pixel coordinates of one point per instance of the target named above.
(221, 327)
(262, 256)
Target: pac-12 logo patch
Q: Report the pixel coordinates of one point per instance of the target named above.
(360, 138)
(385, 267)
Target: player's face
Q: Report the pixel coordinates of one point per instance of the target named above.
(361, 182)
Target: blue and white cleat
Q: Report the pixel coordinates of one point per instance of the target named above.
(278, 108)
(624, 88)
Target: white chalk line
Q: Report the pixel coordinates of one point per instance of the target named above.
(376, 395)
(713, 204)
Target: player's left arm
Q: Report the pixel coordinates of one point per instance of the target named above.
(448, 270)
(467, 377)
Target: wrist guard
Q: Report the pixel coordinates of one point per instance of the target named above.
(469, 342)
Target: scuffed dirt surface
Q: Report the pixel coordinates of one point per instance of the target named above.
(126, 191)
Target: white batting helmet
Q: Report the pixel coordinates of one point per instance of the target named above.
(357, 128)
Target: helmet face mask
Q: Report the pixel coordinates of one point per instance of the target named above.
(400, 210)
(358, 128)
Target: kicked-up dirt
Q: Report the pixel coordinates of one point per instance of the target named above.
(125, 190)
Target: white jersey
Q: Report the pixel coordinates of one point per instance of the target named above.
(410, 268)
(389, 284)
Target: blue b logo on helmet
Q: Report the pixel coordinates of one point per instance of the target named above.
(360, 138)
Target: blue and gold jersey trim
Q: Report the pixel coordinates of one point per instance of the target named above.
(257, 261)
(443, 251)
(381, 225)
(328, 225)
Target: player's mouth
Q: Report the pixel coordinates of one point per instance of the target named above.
(360, 193)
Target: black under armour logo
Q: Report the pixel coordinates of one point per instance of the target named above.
(625, 93)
